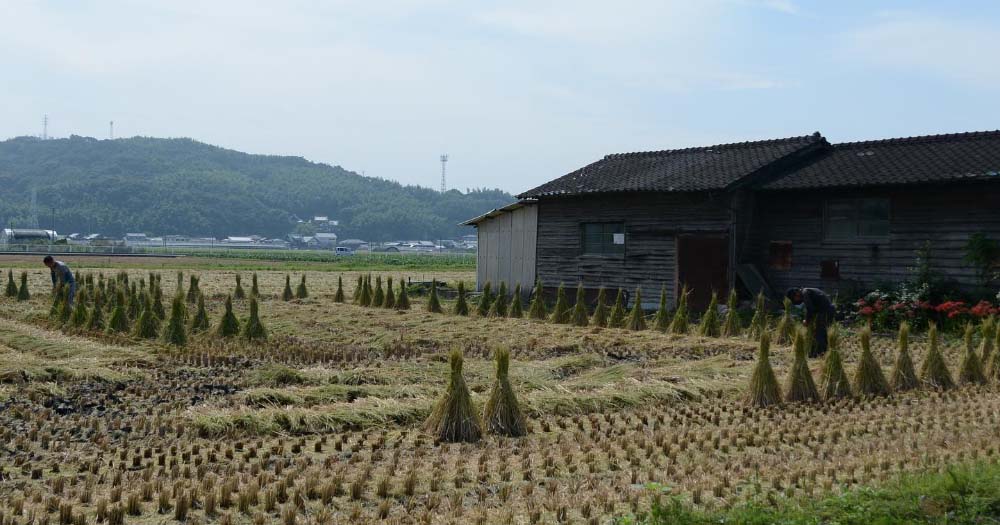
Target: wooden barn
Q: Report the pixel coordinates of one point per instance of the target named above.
(761, 215)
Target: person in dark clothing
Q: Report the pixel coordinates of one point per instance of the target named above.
(819, 312)
(61, 275)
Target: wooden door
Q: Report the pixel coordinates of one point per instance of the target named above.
(703, 265)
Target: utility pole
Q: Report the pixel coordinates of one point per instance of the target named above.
(45, 128)
(444, 183)
(33, 210)
(111, 130)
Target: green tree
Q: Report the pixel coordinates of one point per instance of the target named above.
(983, 254)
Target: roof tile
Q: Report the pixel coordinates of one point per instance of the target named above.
(679, 170)
(911, 160)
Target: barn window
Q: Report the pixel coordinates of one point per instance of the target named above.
(780, 255)
(856, 219)
(603, 238)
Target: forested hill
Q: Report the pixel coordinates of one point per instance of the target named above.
(181, 186)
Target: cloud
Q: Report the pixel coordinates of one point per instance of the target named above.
(931, 44)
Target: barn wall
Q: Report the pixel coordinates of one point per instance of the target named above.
(507, 249)
(946, 216)
(652, 223)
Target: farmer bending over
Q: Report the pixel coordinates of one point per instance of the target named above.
(819, 312)
(62, 276)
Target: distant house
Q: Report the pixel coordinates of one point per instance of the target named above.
(326, 240)
(136, 239)
(760, 215)
(238, 240)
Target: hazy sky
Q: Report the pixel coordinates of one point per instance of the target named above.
(517, 92)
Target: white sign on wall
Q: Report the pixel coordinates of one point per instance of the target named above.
(618, 238)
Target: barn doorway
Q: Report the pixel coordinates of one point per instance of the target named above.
(703, 265)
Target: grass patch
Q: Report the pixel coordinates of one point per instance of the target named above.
(961, 495)
(30, 354)
(277, 375)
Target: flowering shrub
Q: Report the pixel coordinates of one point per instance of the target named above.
(885, 310)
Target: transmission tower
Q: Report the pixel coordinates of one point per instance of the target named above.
(45, 128)
(111, 130)
(33, 210)
(444, 182)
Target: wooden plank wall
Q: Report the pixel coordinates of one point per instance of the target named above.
(507, 249)
(652, 222)
(945, 215)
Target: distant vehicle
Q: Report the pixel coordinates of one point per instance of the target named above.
(344, 250)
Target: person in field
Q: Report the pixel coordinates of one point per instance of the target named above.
(819, 312)
(61, 275)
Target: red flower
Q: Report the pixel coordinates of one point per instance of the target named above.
(867, 311)
(951, 306)
(983, 309)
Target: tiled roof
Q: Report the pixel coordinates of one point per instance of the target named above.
(679, 170)
(913, 160)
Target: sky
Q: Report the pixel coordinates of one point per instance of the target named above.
(516, 92)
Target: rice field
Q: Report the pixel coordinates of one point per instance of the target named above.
(324, 421)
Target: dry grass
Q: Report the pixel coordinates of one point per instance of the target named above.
(322, 422)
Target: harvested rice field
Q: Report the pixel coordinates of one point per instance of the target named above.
(321, 417)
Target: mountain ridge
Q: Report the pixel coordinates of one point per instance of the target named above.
(183, 186)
